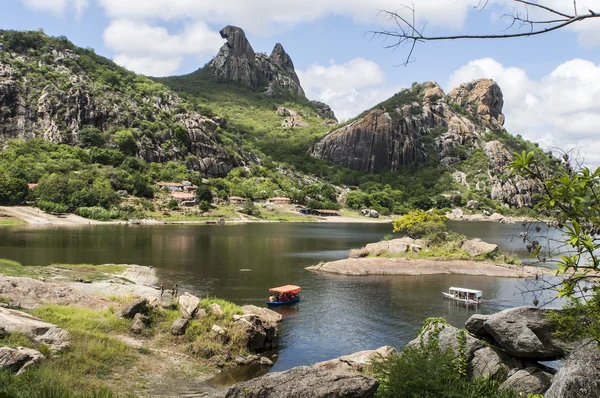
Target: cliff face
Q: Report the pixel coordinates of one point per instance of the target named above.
(50, 95)
(423, 123)
(237, 62)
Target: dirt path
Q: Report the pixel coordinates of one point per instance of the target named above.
(34, 216)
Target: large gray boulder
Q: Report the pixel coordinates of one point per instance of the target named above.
(37, 330)
(448, 338)
(357, 362)
(306, 382)
(18, 359)
(525, 333)
(531, 380)
(475, 325)
(179, 326)
(188, 304)
(395, 246)
(134, 307)
(492, 363)
(476, 247)
(580, 375)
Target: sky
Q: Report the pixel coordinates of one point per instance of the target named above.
(551, 83)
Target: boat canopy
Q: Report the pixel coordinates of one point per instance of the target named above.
(462, 289)
(285, 289)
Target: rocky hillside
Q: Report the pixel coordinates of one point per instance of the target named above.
(462, 132)
(52, 90)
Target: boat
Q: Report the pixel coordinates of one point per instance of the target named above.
(461, 294)
(284, 295)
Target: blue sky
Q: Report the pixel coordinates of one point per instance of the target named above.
(551, 83)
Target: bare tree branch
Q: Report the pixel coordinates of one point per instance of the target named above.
(407, 32)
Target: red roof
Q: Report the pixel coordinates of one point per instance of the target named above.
(286, 289)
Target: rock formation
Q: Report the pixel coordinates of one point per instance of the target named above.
(507, 345)
(38, 331)
(338, 378)
(237, 62)
(421, 124)
(58, 109)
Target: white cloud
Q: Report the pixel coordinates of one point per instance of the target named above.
(152, 50)
(57, 7)
(560, 110)
(262, 16)
(348, 88)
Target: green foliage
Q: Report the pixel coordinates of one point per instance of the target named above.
(52, 207)
(126, 142)
(571, 197)
(250, 209)
(12, 190)
(99, 213)
(419, 224)
(172, 204)
(91, 137)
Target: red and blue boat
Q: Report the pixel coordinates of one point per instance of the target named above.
(284, 295)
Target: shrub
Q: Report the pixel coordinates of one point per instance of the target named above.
(12, 190)
(99, 213)
(173, 204)
(52, 207)
(420, 224)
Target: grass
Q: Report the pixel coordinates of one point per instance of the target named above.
(9, 222)
(61, 271)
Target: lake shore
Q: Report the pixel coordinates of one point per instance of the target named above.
(414, 267)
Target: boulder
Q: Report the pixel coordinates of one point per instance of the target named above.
(395, 246)
(304, 381)
(497, 217)
(488, 362)
(472, 205)
(525, 333)
(265, 361)
(18, 359)
(579, 375)
(140, 322)
(13, 321)
(200, 313)
(188, 304)
(448, 338)
(179, 326)
(216, 309)
(374, 214)
(264, 313)
(476, 247)
(475, 325)
(531, 380)
(134, 307)
(220, 334)
(357, 362)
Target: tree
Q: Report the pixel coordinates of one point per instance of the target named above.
(572, 198)
(537, 17)
(12, 190)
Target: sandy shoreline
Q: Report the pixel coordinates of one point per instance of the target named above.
(414, 267)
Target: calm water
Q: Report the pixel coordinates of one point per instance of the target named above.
(338, 314)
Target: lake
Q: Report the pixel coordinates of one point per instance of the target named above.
(338, 314)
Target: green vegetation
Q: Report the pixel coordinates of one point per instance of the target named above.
(426, 371)
(59, 272)
(571, 197)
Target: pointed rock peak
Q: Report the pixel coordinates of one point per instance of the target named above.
(482, 96)
(281, 58)
(236, 39)
(433, 92)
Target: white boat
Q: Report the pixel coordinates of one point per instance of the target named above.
(461, 294)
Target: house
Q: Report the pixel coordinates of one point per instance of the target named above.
(237, 200)
(279, 200)
(184, 198)
(171, 186)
